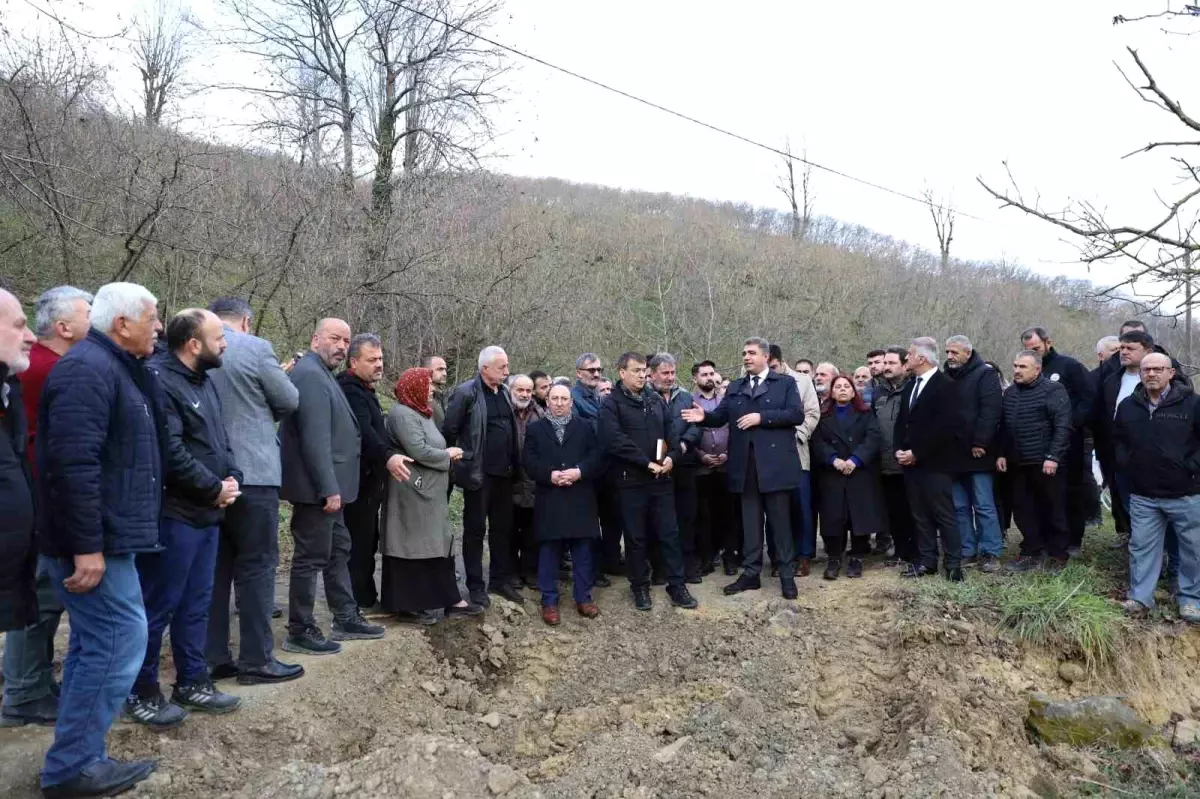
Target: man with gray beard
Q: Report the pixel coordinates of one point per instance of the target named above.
(523, 543)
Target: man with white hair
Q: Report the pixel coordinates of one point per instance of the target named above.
(479, 420)
(101, 454)
(823, 377)
(1106, 348)
(18, 600)
(523, 546)
(927, 432)
(30, 692)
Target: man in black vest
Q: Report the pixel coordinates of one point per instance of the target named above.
(926, 437)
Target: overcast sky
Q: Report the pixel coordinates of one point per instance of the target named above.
(905, 94)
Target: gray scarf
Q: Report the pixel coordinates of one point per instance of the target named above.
(560, 425)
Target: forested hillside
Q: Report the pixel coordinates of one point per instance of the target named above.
(543, 267)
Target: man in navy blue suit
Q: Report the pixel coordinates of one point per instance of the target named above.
(762, 409)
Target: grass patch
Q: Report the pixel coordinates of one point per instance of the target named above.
(1143, 773)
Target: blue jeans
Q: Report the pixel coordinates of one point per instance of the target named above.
(177, 586)
(1171, 540)
(29, 653)
(582, 569)
(980, 529)
(106, 647)
(1149, 518)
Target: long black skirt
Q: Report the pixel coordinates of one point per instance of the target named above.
(416, 585)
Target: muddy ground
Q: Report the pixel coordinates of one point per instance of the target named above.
(850, 691)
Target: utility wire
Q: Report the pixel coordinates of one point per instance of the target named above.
(672, 112)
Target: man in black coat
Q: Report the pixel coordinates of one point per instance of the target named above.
(18, 555)
(642, 443)
(663, 381)
(927, 436)
(979, 400)
(1034, 435)
(1059, 368)
(762, 409)
(201, 480)
(377, 460)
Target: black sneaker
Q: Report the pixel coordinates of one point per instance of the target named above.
(205, 697)
(682, 598)
(104, 777)
(480, 597)
(641, 598)
(42, 711)
(422, 619)
(356, 629)
(730, 569)
(155, 712)
(1025, 563)
(273, 672)
(854, 568)
(464, 611)
(832, 568)
(311, 642)
(508, 592)
(787, 587)
(741, 584)
(989, 564)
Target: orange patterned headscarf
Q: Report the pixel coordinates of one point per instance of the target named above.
(412, 390)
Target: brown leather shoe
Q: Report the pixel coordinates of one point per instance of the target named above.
(805, 565)
(589, 610)
(550, 615)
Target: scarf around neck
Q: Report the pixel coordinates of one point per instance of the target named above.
(560, 425)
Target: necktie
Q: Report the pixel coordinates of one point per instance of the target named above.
(754, 384)
(916, 392)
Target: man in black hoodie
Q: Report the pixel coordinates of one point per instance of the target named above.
(377, 460)
(202, 479)
(979, 399)
(632, 423)
(1157, 433)
(1059, 368)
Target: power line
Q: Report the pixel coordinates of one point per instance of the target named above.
(674, 113)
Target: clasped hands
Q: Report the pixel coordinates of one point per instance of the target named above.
(846, 466)
(659, 469)
(565, 477)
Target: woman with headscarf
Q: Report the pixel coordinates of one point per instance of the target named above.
(564, 458)
(846, 456)
(418, 566)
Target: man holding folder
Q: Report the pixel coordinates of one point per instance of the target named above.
(639, 437)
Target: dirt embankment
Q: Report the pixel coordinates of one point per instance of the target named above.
(844, 693)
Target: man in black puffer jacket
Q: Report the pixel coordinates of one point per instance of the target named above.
(632, 422)
(202, 479)
(1034, 436)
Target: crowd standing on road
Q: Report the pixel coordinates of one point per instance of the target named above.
(142, 469)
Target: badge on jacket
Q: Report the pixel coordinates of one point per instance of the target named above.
(1054, 377)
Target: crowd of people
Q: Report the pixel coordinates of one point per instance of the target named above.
(142, 471)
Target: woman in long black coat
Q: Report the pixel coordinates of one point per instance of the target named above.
(846, 457)
(563, 458)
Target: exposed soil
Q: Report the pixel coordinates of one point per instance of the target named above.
(846, 692)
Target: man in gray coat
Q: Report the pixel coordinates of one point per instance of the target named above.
(255, 394)
(320, 446)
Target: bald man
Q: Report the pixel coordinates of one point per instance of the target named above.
(18, 602)
(320, 445)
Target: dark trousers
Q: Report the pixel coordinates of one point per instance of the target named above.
(1078, 475)
(29, 653)
(1002, 493)
(776, 505)
(247, 557)
(322, 548)
(1040, 510)
(524, 550)
(803, 532)
(900, 517)
(648, 510)
(550, 554)
(1118, 497)
(686, 508)
(177, 589)
(362, 521)
(715, 529)
(930, 495)
(609, 544)
(488, 511)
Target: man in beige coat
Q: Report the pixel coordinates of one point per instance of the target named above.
(803, 519)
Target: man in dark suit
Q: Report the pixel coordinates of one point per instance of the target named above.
(926, 437)
(320, 446)
(762, 409)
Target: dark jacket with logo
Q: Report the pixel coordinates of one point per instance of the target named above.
(979, 398)
(776, 460)
(18, 550)
(630, 428)
(1160, 451)
(198, 453)
(101, 452)
(1059, 368)
(1037, 423)
(376, 445)
(466, 427)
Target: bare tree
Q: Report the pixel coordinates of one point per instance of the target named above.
(942, 213)
(160, 51)
(801, 201)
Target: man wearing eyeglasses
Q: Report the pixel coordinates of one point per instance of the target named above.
(588, 373)
(1158, 448)
(587, 396)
